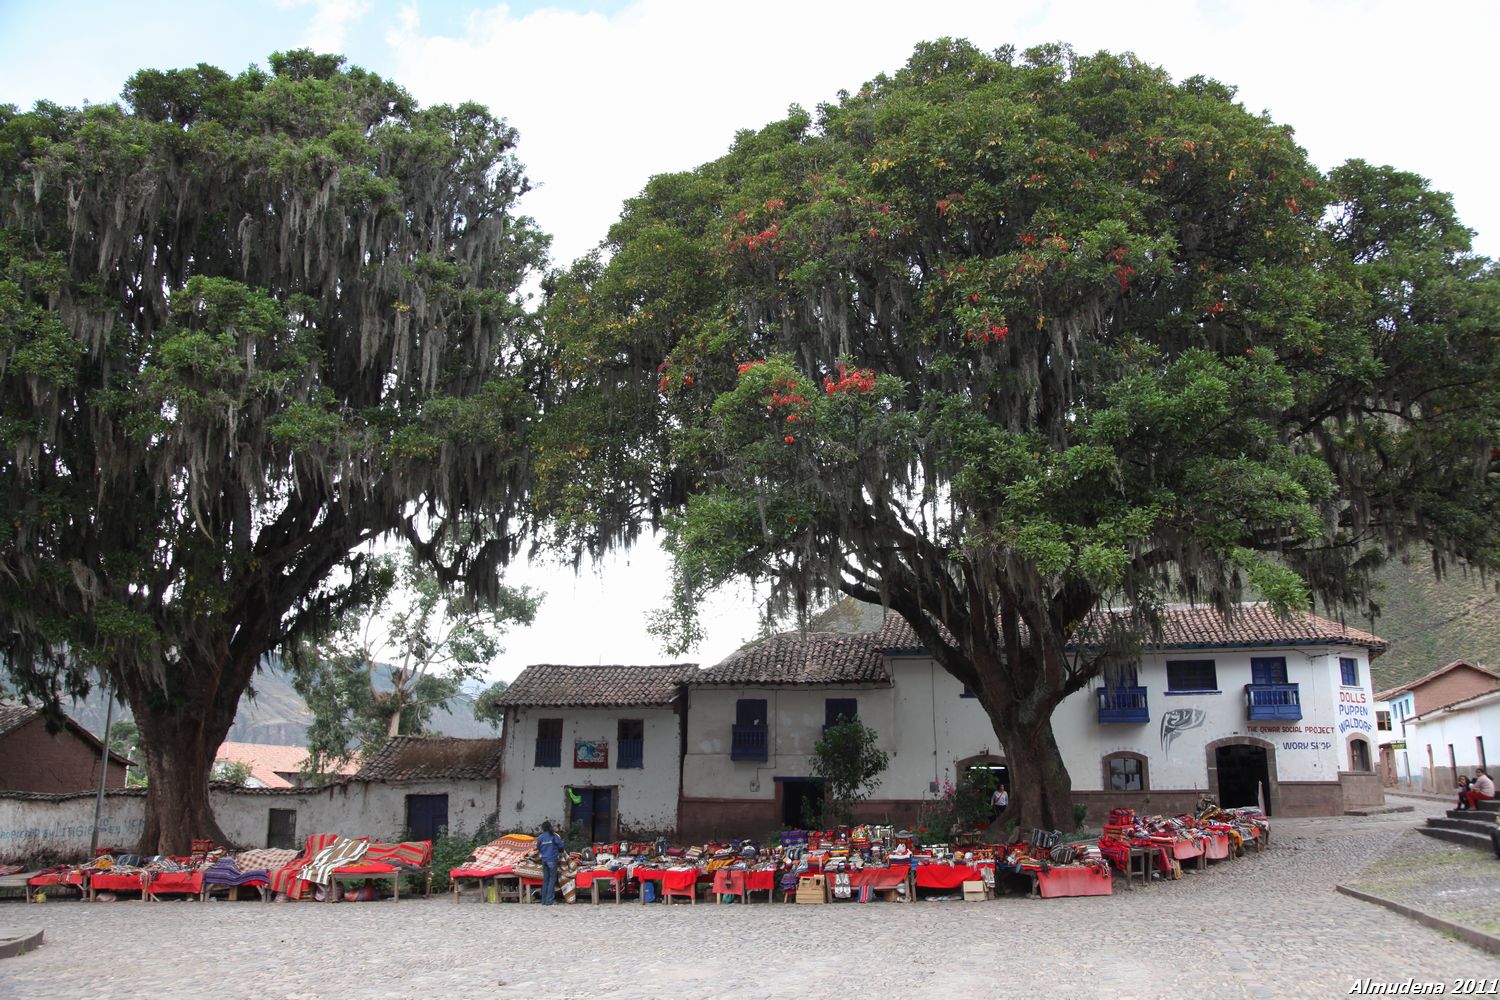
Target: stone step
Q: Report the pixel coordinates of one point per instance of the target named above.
(1458, 820)
(1478, 815)
(1468, 839)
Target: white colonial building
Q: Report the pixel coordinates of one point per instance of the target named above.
(596, 748)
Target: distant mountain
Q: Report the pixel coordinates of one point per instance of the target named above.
(273, 712)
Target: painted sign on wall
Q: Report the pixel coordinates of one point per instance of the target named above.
(590, 753)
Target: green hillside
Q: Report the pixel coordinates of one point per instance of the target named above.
(1430, 623)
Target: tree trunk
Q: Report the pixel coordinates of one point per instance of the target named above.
(182, 721)
(1041, 792)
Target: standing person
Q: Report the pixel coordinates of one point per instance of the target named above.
(1480, 788)
(549, 847)
(1000, 800)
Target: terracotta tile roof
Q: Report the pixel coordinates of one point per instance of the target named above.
(421, 758)
(1188, 628)
(802, 658)
(577, 686)
(270, 761)
(1390, 693)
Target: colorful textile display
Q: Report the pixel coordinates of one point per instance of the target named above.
(343, 851)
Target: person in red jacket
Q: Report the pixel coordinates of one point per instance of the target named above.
(1480, 788)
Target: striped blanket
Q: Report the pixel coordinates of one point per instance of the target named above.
(286, 878)
(344, 851)
(407, 854)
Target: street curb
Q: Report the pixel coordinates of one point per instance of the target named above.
(1379, 810)
(10, 947)
(1477, 938)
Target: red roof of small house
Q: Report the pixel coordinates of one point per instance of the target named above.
(270, 763)
(1390, 693)
(554, 684)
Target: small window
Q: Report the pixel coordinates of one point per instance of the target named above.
(281, 829)
(750, 712)
(632, 735)
(426, 816)
(836, 710)
(1359, 755)
(1382, 720)
(549, 742)
(1192, 675)
(1348, 671)
(1268, 670)
(1125, 774)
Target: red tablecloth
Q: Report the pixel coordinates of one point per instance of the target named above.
(947, 876)
(880, 878)
(176, 882)
(584, 879)
(1218, 846)
(736, 883)
(673, 881)
(1183, 850)
(116, 883)
(1074, 882)
(57, 878)
(366, 868)
(479, 872)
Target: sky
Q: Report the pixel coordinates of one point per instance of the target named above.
(606, 94)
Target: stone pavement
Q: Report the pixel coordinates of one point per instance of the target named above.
(1266, 926)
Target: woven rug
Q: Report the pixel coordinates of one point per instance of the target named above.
(344, 851)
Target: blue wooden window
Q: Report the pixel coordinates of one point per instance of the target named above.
(632, 740)
(748, 737)
(1268, 670)
(1192, 675)
(1348, 671)
(548, 743)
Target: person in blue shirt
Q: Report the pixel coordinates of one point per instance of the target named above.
(549, 847)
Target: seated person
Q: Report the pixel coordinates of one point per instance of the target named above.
(1480, 788)
(1463, 791)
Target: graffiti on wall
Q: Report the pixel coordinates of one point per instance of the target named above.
(1178, 721)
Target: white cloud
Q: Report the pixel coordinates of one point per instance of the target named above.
(328, 29)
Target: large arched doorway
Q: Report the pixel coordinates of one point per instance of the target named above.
(979, 776)
(1242, 772)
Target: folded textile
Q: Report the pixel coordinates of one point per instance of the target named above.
(264, 859)
(407, 854)
(344, 851)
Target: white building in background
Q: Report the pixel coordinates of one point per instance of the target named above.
(1425, 763)
(597, 748)
(1455, 739)
(1253, 710)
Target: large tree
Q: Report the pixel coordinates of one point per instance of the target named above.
(999, 341)
(249, 326)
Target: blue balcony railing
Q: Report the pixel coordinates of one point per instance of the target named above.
(1273, 702)
(748, 743)
(632, 753)
(548, 752)
(1123, 704)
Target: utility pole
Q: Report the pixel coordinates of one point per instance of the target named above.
(109, 716)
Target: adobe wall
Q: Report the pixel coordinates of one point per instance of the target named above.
(1455, 685)
(34, 760)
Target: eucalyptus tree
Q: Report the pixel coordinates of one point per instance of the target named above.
(249, 326)
(1000, 341)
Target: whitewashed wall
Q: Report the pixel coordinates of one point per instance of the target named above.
(646, 797)
(374, 809)
(1314, 748)
(60, 827)
(1459, 728)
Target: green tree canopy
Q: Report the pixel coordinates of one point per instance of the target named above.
(248, 326)
(849, 758)
(380, 670)
(999, 340)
